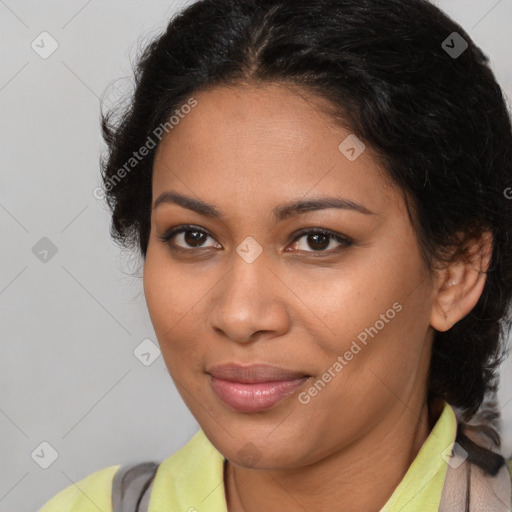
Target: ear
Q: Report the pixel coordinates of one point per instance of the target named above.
(461, 282)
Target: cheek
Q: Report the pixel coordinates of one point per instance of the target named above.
(380, 355)
(171, 299)
(351, 302)
(376, 318)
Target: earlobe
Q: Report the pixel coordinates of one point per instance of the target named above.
(460, 283)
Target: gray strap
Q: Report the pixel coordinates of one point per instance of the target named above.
(131, 487)
(144, 501)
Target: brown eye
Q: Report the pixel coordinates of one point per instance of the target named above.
(320, 241)
(194, 238)
(189, 237)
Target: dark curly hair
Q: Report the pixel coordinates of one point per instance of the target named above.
(437, 122)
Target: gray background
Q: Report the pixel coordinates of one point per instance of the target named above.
(69, 326)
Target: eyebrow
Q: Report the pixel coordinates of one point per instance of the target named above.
(279, 213)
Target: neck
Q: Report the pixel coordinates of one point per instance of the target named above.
(340, 481)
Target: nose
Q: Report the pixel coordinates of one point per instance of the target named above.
(249, 303)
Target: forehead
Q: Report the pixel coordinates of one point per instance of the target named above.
(289, 117)
(265, 141)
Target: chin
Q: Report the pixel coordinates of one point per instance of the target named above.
(260, 450)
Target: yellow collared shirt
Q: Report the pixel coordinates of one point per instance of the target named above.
(192, 479)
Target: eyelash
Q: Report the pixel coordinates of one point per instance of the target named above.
(172, 232)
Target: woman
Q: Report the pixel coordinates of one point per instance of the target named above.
(319, 194)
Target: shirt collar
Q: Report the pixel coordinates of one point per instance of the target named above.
(422, 486)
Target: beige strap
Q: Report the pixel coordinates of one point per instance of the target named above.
(468, 489)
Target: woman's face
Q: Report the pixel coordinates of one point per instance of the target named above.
(251, 288)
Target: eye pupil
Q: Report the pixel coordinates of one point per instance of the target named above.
(316, 243)
(190, 240)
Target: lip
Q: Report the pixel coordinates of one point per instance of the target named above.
(254, 373)
(254, 388)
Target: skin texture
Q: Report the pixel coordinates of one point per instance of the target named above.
(246, 150)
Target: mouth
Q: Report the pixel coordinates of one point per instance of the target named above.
(254, 373)
(254, 388)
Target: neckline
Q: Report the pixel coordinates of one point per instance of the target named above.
(195, 474)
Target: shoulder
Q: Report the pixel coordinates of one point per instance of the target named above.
(92, 493)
